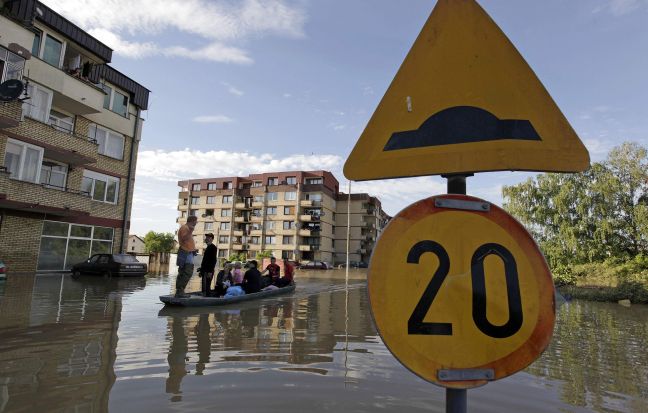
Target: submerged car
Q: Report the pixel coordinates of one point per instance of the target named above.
(355, 264)
(111, 265)
(316, 265)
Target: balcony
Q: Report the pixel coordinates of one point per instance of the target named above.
(256, 232)
(239, 247)
(309, 218)
(70, 93)
(257, 204)
(241, 219)
(309, 247)
(242, 205)
(238, 233)
(306, 203)
(257, 218)
(31, 197)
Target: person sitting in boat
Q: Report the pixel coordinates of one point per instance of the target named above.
(289, 272)
(273, 273)
(237, 274)
(252, 279)
(223, 280)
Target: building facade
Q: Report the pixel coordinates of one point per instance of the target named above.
(68, 147)
(295, 215)
(135, 245)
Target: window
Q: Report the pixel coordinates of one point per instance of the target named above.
(115, 101)
(271, 196)
(110, 143)
(287, 255)
(255, 240)
(256, 227)
(183, 214)
(52, 51)
(53, 173)
(287, 240)
(256, 213)
(273, 181)
(269, 225)
(63, 245)
(269, 239)
(23, 161)
(288, 210)
(291, 180)
(227, 199)
(193, 212)
(223, 239)
(211, 199)
(39, 104)
(223, 253)
(11, 65)
(256, 184)
(227, 185)
(185, 201)
(314, 197)
(314, 181)
(61, 122)
(209, 226)
(36, 44)
(225, 226)
(195, 200)
(209, 212)
(288, 224)
(119, 104)
(271, 211)
(103, 188)
(195, 187)
(258, 198)
(290, 196)
(211, 186)
(226, 212)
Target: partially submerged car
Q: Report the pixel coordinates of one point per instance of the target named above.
(123, 265)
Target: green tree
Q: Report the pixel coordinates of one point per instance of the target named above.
(263, 254)
(158, 242)
(237, 257)
(592, 216)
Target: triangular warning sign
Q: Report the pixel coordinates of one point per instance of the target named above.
(464, 100)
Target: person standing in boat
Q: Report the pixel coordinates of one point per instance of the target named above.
(252, 279)
(186, 253)
(273, 272)
(208, 264)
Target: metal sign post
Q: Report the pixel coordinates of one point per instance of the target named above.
(456, 399)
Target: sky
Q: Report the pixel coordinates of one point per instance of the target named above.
(249, 86)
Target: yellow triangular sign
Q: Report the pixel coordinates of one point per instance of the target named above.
(464, 100)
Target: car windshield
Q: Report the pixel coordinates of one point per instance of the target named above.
(123, 259)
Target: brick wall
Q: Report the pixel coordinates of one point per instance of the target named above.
(19, 242)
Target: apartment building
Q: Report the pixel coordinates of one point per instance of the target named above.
(68, 146)
(367, 220)
(293, 214)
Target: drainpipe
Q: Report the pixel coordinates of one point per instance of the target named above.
(122, 247)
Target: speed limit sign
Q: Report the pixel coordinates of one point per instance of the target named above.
(460, 292)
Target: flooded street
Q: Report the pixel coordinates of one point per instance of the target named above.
(96, 345)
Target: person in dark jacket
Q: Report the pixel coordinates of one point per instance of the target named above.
(252, 279)
(208, 264)
(223, 280)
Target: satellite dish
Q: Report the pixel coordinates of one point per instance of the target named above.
(11, 90)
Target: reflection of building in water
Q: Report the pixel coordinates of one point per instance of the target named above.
(57, 343)
(291, 331)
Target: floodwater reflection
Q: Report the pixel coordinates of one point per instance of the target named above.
(101, 344)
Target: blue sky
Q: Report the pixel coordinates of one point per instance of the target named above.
(248, 86)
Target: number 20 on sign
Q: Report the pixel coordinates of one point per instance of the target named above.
(460, 292)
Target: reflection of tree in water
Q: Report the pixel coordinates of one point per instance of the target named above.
(289, 331)
(599, 350)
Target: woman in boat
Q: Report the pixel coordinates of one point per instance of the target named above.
(237, 274)
(223, 280)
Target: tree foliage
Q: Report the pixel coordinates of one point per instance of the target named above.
(158, 242)
(593, 216)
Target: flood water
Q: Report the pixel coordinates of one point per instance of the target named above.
(96, 345)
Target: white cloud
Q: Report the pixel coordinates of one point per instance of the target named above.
(338, 127)
(232, 89)
(213, 119)
(287, 95)
(620, 7)
(216, 23)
